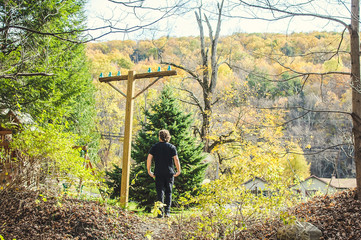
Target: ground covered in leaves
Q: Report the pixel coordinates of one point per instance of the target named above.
(30, 215)
(338, 217)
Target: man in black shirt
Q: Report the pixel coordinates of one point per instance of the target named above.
(165, 157)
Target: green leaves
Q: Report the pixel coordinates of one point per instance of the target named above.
(49, 152)
(40, 70)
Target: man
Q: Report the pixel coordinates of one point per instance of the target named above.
(165, 157)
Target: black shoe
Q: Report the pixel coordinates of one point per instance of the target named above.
(160, 216)
(167, 215)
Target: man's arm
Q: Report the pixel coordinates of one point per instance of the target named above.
(177, 164)
(149, 164)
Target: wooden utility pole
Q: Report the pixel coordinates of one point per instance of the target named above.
(131, 77)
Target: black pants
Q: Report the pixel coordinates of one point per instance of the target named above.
(164, 186)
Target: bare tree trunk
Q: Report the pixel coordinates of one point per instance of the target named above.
(207, 95)
(206, 124)
(209, 72)
(356, 89)
(208, 77)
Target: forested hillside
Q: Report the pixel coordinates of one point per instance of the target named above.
(271, 88)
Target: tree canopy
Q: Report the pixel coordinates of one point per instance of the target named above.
(44, 70)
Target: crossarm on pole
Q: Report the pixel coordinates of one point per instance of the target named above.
(139, 76)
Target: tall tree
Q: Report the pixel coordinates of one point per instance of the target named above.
(208, 76)
(166, 114)
(356, 83)
(43, 68)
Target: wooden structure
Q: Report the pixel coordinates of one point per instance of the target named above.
(8, 167)
(130, 78)
(5, 136)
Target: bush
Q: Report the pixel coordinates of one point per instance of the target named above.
(44, 157)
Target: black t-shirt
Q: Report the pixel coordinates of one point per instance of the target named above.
(163, 153)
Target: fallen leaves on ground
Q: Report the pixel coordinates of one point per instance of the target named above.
(28, 215)
(337, 216)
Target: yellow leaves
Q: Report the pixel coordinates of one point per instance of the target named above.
(200, 69)
(226, 196)
(254, 42)
(161, 42)
(333, 65)
(156, 208)
(225, 72)
(53, 148)
(43, 198)
(135, 178)
(269, 157)
(148, 234)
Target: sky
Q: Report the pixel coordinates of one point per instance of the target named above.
(184, 23)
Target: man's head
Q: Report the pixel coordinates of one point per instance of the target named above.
(164, 135)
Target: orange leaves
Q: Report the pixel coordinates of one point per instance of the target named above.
(337, 216)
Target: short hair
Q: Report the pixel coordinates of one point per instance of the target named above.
(164, 135)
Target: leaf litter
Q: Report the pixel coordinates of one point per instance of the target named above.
(27, 215)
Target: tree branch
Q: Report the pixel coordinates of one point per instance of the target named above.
(197, 102)
(13, 76)
(290, 14)
(222, 139)
(190, 72)
(318, 152)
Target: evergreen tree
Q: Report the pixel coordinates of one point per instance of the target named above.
(166, 114)
(43, 67)
(113, 181)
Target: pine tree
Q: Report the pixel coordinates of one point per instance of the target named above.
(166, 114)
(113, 181)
